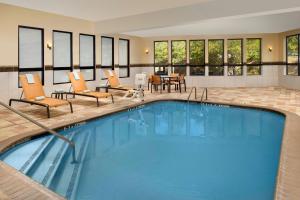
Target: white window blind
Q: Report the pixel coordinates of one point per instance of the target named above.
(123, 52)
(30, 48)
(107, 51)
(86, 50)
(62, 49)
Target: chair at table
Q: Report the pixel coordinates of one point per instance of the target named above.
(181, 81)
(156, 81)
(149, 81)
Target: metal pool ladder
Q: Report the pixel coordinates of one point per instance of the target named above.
(202, 96)
(71, 143)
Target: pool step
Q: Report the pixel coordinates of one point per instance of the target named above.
(37, 154)
(48, 159)
(66, 177)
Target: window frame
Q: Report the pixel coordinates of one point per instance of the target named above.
(242, 57)
(42, 68)
(179, 65)
(94, 56)
(128, 59)
(286, 55)
(193, 65)
(223, 64)
(112, 67)
(71, 56)
(258, 64)
(159, 65)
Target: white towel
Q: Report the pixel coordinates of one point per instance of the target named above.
(30, 78)
(110, 73)
(76, 75)
(39, 98)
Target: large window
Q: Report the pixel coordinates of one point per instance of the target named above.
(31, 51)
(87, 56)
(216, 57)
(197, 57)
(292, 55)
(235, 57)
(161, 57)
(124, 49)
(107, 52)
(62, 56)
(178, 55)
(253, 56)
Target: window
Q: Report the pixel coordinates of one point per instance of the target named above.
(62, 56)
(87, 56)
(31, 51)
(292, 55)
(161, 57)
(178, 56)
(124, 49)
(216, 57)
(107, 52)
(253, 57)
(197, 57)
(235, 57)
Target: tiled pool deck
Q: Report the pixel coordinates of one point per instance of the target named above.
(14, 128)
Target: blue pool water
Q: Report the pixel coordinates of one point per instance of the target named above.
(162, 151)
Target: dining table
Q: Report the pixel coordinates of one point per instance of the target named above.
(167, 79)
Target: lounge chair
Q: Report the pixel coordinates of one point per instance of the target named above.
(80, 88)
(35, 95)
(114, 82)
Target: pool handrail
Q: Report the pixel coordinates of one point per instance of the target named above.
(204, 92)
(51, 131)
(193, 88)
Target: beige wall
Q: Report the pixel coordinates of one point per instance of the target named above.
(268, 40)
(11, 17)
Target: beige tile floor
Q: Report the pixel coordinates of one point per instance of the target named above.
(12, 127)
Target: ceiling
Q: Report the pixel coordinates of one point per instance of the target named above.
(274, 23)
(176, 17)
(98, 10)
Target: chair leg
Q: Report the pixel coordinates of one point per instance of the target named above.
(10, 102)
(151, 87)
(71, 107)
(112, 99)
(184, 86)
(97, 102)
(48, 111)
(160, 88)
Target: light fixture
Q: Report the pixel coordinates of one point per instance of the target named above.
(147, 51)
(49, 45)
(270, 49)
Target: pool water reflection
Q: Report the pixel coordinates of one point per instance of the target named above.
(175, 150)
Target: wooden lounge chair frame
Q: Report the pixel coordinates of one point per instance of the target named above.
(74, 93)
(31, 102)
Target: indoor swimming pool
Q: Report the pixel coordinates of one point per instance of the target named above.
(166, 150)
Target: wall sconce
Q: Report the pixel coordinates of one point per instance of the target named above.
(147, 51)
(49, 45)
(270, 49)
